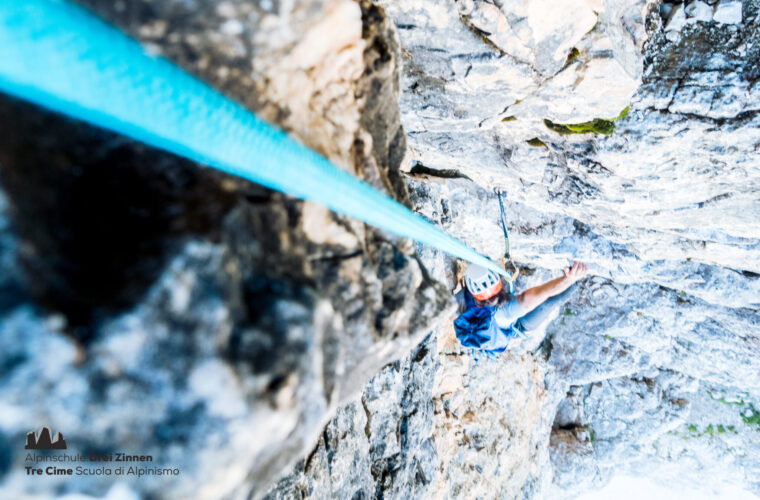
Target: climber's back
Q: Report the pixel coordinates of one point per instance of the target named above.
(487, 311)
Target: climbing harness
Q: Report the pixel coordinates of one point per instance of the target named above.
(59, 56)
(506, 260)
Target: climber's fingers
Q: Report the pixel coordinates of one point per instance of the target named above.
(576, 272)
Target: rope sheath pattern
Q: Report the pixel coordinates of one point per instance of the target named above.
(61, 57)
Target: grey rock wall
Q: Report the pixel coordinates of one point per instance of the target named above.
(381, 445)
(161, 308)
(649, 369)
(436, 425)
(661, 210)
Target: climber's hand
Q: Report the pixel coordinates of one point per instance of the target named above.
(576, 272)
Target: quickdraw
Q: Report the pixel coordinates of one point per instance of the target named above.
(506, 260)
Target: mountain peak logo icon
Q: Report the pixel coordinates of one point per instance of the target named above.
(43, 441)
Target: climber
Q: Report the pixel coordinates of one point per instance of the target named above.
(490, 316)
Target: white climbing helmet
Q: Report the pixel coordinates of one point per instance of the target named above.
(482, 283)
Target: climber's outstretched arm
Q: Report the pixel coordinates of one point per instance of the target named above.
(534, 297)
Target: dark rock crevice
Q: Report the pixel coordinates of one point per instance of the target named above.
(96, 214)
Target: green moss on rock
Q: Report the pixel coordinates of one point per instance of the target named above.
(572, 56)
(711, 430)
(592, 435)
(600, 126)
(752, 416)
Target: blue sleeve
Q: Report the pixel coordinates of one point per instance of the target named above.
(512, 308)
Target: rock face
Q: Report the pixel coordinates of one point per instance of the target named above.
(668, 326)
(648, 371)
(167, 310)
(236, 321)
(483, 87)
(431, 427)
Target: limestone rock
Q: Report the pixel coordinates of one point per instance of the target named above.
(676, 19)
(176, 308)
(699, 11)
(575, 469)
(435, 425)
(380, 445)
(729, 12)
(667, 334)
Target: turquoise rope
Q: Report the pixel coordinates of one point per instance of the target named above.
(59, 56)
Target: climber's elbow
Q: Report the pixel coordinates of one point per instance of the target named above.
(529, 300)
